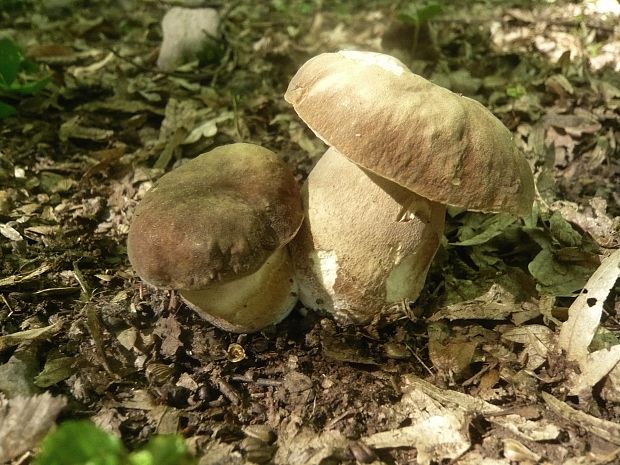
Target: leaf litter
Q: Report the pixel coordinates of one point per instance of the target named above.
(478, 358)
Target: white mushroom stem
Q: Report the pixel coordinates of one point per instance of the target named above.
(250, 303)
(365, 243)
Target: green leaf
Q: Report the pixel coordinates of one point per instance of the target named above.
(11, 59)
(55, 370)
(6, 110)
(80, 443)
(516, 91)
(17, 75)
(563, 231)
(8, 5)
(417, 14)
(28, 88)
(429, 11)
(559, 274)
(492, 227)
(162, 450)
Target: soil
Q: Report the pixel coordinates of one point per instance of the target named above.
(79, 155)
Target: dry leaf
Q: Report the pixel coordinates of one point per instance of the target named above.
(436, 437)
(537, 339)
(307, 447)
(604, 429)
(595, 367)
(11, 340)
(24, 421)
(584, 314)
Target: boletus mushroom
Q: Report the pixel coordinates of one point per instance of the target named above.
(402, 149)
(216, 230)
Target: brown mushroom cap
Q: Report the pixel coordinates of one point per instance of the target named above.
(216, 218)
(440, 145)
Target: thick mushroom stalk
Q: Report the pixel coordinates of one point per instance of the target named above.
(250, 303)
(216, 230)
(366, 242)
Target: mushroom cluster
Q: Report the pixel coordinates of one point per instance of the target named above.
(401, 149)
(370, 217)
(215, 229)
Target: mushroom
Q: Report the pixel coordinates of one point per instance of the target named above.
(216, 230)
(401, 150)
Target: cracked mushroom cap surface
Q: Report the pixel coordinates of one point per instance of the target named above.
(216, 218)
(445, 147)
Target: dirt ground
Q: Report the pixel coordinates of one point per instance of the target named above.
(476, 371)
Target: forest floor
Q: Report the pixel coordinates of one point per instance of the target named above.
(478, 370)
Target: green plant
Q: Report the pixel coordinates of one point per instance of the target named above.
(295, 7)
(516, 91)
(12, 5)
(18, 76)
(83, 443)
(419, 14)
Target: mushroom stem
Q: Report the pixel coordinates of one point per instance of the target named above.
(250, 303)
(352, 255)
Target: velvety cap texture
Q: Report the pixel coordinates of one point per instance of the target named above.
(440, 145)
(215, 218)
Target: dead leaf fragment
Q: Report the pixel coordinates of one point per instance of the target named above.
(169, 330)
(55, 370)
(309, 448)
(594, 368)
(540, 430)
(498, 303)
(593, 219)
(515, 451)
(11, 340)
(72, 129)
(437, 431)
(24, 421)
(420, 394)
(436, 438)
(16, 375)
(10, 232)
(217, 453)
(604, 429)
(476, 458)
(537, 339)
(584, 314)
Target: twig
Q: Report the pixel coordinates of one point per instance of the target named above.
(227, 390)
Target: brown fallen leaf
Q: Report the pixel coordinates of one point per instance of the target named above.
(604, 429)
(11, 340)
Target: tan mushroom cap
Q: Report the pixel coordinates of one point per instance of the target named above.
(440, 145)
(214, 219)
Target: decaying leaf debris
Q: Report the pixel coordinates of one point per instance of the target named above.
(509, 356)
